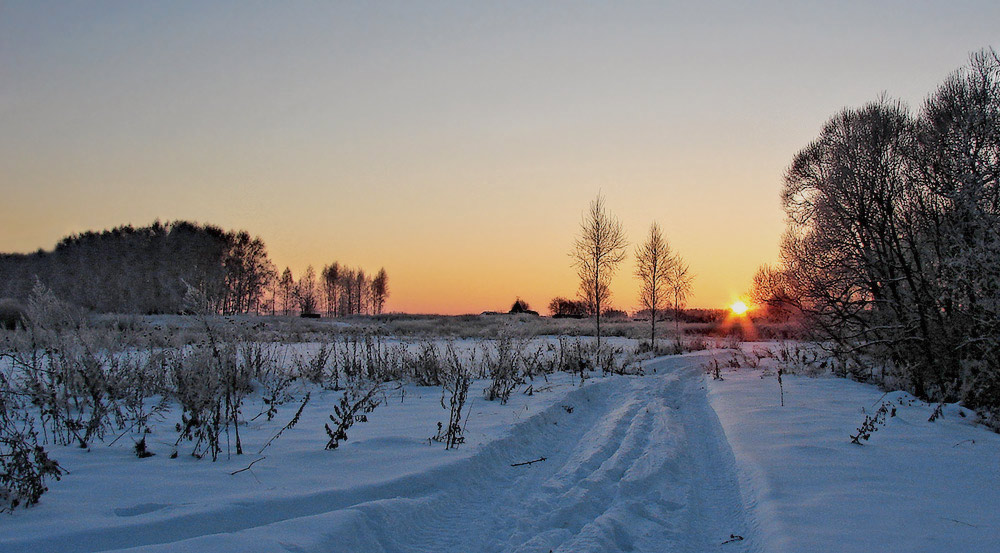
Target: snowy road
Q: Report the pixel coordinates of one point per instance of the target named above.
(639, 465)
(632, 464)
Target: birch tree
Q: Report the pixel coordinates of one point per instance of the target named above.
(653, 265)
(598, 251)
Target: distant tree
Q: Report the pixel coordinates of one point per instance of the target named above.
(362, 290)
(380, 290)
(287, 285)
(613, 313)
(653, 265)
(247, 271)
(305, 291)
(565, 307)
(597, 252)
(680, 288)
(330, 281)
(345, 303)
(521, 306)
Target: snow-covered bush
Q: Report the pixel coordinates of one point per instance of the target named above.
(315, 368)
(211, 383)
(71, 370)
(503, 366)
(457, 381)
(24, 464)
(354, 406)
(427, 366)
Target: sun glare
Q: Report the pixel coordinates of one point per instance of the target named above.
(738, 307)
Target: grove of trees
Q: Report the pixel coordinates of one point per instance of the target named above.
(150, 270)
(337, 291)
(146, 269)
(892, 249)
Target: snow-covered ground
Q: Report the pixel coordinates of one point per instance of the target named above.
(914, 486)
(669, 461)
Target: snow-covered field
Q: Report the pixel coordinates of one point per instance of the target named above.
(669, 461)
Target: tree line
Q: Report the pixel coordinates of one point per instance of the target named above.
(336, 291)
(892, 247)
(153, 269)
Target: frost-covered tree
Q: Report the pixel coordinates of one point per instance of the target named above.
(599, 249)
(893, 244)
(653, 266)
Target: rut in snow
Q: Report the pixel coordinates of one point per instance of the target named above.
(640, 464)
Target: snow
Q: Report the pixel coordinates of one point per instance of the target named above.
(669, 461)
(913, 486)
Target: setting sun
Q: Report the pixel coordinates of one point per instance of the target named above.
(738, 307)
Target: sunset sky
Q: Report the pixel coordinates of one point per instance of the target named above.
(454, 143)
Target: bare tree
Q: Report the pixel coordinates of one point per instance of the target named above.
(380, 290)
(680, 287)
(361, 290)
(345, 303)
(330, 280)
(597, 252)
(287, 285)
(305, 291)
(653, 264)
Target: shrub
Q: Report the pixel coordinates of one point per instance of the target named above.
(503, 368)
(427, 367)
(24, 465)
(354, 406)
(456, 387)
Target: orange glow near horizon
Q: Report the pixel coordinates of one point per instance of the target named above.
(738, 317)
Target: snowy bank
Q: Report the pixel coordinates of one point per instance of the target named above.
(913, 486)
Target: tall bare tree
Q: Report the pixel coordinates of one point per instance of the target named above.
(653, 264)
(680, 287)
(361, 291)
(597, 252)
(287, 285)
(330, 279)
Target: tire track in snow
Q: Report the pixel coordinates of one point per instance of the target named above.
(640, 465)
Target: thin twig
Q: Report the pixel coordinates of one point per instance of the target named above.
(879, 399)
(120, 436)
(246, 467)
(291, 423)
(540, 459)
